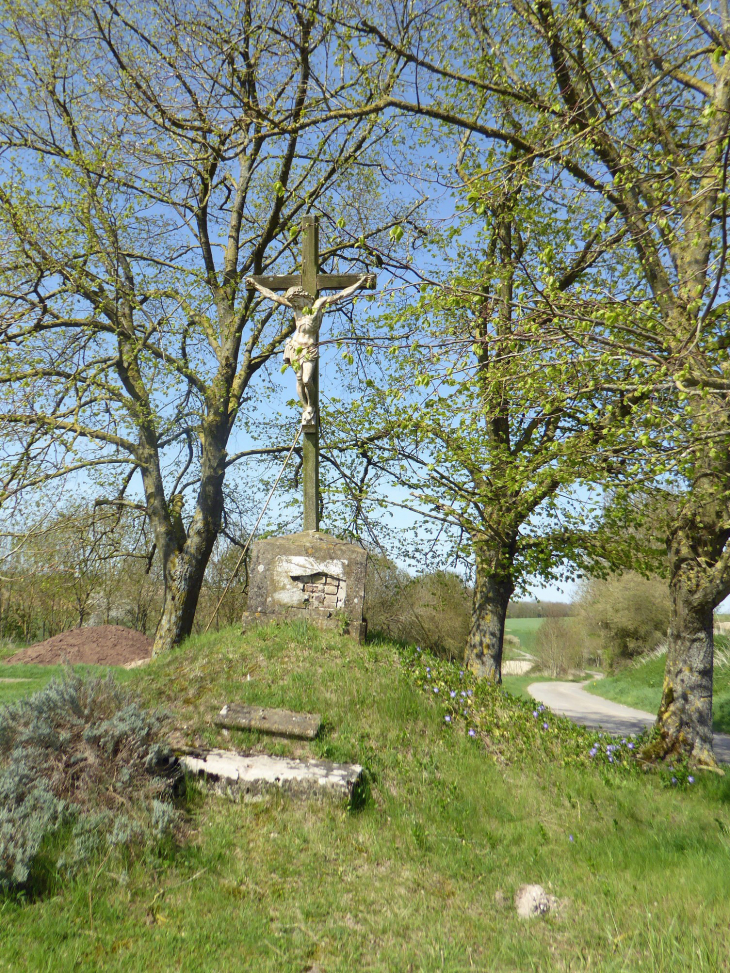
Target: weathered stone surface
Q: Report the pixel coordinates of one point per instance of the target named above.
(533, 900)
(310, 576)
(239, 776)
(283, 722)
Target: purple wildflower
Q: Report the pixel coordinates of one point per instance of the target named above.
(472, 733)
(435, 689)
(544, 726)
(690, 780)
(447, 718)
(452, 693)
(571, 838)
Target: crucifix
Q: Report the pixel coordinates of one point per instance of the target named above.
(302, 349)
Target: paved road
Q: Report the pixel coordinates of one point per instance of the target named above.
(571, 700)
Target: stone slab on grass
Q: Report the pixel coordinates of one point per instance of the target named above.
(282, 722)
(240, 776)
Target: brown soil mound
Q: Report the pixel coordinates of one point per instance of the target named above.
(102, 645)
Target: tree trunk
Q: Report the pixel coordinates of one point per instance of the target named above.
(185, 555)
(184, 574)
(698, 581)
(492, 592)
(684, 720)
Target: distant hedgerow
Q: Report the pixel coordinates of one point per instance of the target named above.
(82, 768)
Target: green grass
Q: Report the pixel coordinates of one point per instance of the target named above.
(409, 881)
(34, 677)
(640, 686)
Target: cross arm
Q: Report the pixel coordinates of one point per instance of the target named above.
(352, 284)
(257, 283)
(277, 282)
(339, 282)
(325, 282)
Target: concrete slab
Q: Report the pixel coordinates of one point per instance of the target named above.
(282, 722)
(242, 776)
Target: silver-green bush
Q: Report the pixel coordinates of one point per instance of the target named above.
(82, 768)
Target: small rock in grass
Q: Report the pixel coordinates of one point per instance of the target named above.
(533, 900)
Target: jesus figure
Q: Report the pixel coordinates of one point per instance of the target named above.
(302, 349)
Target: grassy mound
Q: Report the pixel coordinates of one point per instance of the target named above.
(423, 876)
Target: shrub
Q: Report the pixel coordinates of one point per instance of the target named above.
(627, 614)
(82, 768)
(432, 610)
(558, 647)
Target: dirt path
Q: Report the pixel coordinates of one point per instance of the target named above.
(571, 700)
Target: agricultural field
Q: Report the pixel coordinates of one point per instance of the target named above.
(525, 629)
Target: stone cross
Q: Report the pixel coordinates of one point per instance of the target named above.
(302, 349)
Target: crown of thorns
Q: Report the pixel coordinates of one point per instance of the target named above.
(298, 292)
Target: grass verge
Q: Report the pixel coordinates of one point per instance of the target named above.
(410, 881)
(21, 680)
(640, 686)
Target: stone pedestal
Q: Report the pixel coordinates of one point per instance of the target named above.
(310, 576)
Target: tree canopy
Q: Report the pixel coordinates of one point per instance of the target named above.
(152, 158)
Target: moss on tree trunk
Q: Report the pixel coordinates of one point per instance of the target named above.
(697, 583)
(183, 580)
(492, 592)
(185, 554)
(684, 720)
